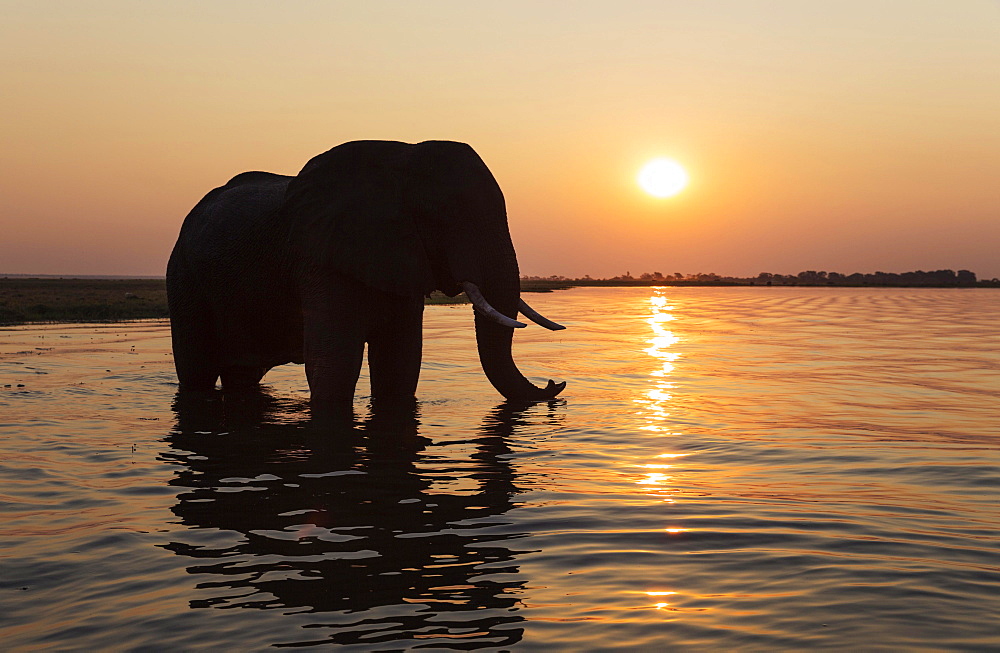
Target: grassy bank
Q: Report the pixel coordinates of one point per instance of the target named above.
(545, 285)
(113, 300)
(81, 300)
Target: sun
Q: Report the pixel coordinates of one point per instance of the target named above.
(663, 178)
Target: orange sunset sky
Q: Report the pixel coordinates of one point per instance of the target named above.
(845, 136)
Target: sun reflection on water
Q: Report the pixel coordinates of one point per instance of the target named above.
(655, 401)
(660, 603)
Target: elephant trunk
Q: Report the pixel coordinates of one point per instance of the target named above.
(495, 341)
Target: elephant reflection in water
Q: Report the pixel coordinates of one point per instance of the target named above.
(350, 520)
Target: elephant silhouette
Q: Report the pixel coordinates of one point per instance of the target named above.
(271, 269)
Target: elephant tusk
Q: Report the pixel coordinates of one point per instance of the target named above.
(537, 317)
(484, 307)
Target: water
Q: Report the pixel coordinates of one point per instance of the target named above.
(730, 468)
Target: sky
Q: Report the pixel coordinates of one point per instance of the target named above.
(848, 136)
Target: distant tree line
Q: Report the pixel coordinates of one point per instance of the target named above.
(919, 278)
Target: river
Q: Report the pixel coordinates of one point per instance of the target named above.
(729, 468)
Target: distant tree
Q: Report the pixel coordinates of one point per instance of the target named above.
(966, 278)
(945, 277)
(933, 278)
(812, 277)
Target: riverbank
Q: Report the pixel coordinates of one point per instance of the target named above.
(25, 300)
(81, 300)
(33, 300)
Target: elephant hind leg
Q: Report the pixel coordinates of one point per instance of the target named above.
(195, 352)
(241, 377)
(195, 378)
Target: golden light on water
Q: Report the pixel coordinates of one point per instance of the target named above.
(655, 401)
(657, 398)
(660, 604)
(663, 177)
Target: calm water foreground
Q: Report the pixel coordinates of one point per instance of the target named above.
(730, 468)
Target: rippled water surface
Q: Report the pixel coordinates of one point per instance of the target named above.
(729, 468)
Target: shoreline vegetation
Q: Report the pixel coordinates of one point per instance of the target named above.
(66, 299)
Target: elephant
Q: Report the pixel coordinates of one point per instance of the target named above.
(272, 269)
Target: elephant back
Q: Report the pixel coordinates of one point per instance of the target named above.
(220, 226)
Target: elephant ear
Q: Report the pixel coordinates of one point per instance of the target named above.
(347, 211)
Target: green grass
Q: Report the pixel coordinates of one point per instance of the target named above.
(113, 300)
(545, 285)
(81, 300)
(438, 297)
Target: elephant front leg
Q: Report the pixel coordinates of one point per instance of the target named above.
(395, 344)
(333, 346)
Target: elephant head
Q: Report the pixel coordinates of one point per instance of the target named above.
(408, 219)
